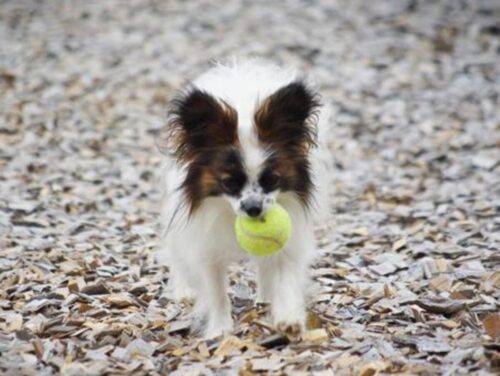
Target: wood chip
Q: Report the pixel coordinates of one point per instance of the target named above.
(441, 283)
(229, 345)
(405, 274)
(315, 335)
(373, 368)
(275, 340)
(119, 300)
(446, 307)
(491, 325)
(385, 268)
(95, 289)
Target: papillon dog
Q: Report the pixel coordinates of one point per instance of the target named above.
(238, 139)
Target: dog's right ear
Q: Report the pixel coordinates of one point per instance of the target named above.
(197, 121)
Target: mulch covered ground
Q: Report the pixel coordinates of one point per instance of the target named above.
(408, 266)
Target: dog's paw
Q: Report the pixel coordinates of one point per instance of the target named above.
(292, 330)
(291, 322)
(218, 328)
(183, 294)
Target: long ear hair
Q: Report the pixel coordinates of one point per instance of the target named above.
(197, 121)
(287, 118)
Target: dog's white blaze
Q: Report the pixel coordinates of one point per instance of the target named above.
(254, 156)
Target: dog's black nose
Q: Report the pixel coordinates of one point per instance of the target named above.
(252, 207)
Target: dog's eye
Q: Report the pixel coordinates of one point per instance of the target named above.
(232, 184)
(269, 181)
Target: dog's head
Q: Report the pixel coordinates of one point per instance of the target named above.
(248, 160)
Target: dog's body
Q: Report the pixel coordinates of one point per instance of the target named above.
(241, 138)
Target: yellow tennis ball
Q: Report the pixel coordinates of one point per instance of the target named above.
(264, 236)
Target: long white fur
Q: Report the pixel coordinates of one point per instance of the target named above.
(198, 249)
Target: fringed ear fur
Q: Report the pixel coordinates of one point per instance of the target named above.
(198, 121)
(287, 118)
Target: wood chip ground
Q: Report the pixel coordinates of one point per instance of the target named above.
(407, 272)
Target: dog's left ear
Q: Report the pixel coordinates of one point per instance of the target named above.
(288, 117)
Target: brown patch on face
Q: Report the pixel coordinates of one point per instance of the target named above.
(208, 181)
(288, 172)
(286, 119)
(213, 173)
(198, 122)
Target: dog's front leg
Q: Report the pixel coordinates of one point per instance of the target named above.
(213, 302)
(284, 278)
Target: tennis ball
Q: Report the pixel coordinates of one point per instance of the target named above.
(264, 236)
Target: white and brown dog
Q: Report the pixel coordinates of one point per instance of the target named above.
(241, 137)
